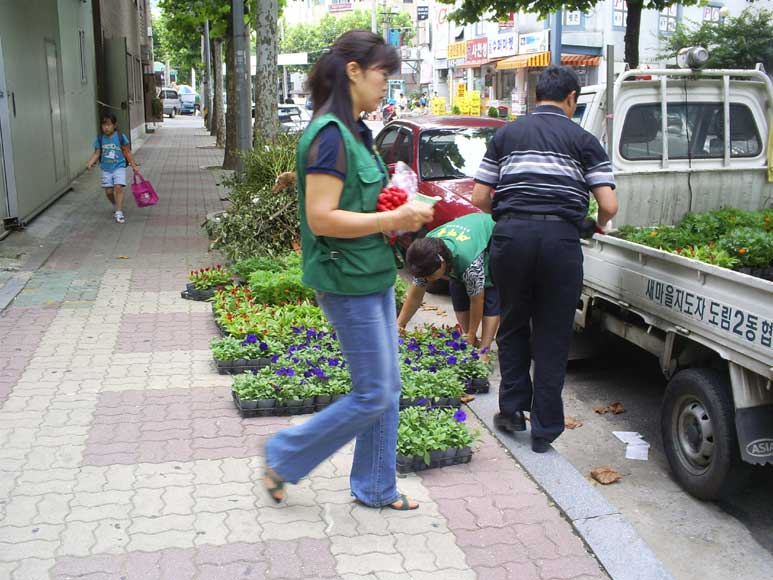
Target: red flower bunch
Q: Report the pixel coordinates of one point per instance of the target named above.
(391, 198)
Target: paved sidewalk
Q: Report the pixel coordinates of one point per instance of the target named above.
(122, 457)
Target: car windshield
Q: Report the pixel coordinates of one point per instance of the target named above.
(452, 153)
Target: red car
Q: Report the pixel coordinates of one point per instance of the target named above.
(445, 153)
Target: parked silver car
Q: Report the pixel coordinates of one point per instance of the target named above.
(171, 101)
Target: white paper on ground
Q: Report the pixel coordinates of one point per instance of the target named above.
(636, 447)
(638, 452)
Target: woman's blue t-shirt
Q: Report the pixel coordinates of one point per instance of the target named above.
(112, 157)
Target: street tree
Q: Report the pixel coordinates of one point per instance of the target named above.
(498, 10)
(739, 42)
(181, 50)
(266, 125)
(315, 38)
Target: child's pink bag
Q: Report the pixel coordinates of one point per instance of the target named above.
(143, 191)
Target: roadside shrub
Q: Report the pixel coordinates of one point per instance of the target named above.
(262, 219)
(279, 287)
(493, 112)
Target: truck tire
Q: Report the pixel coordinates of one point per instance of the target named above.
(699, 438)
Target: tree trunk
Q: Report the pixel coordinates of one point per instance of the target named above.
(266, 100)
(632, 30)
(218, 121)
(231, 160)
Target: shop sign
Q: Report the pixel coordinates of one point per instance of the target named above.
(457, 50)
(508, 24)
(502, 45)
(534, 42)
(477, 51)
(422, 13)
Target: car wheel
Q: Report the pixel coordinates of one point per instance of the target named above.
(174, 112)
(698, 428)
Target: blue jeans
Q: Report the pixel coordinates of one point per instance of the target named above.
(367, 330)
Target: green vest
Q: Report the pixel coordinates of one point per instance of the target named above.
(356, 266)
(467, 237)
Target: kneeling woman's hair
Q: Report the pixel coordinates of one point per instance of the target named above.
(328, 81)
(426, 255)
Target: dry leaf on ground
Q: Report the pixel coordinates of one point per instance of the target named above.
(467, 398)
(616, 408)
(605, 475)
(441, 312)
(428, 307)
(600, 410)
(572, 423)
(122, 257)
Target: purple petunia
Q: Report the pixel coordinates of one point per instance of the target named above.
(407, 361)
(431, 348)
(274, 358)
(311, 333)
(451, 360)
(297, 329)
(484, 350)
(285, 372)
(263, 347)
(460, 416)
(475, 355)
(251, 339)
(333, 362)
(455, 334)
(413, 346)
(432, 369)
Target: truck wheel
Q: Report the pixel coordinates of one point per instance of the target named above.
(698, 428)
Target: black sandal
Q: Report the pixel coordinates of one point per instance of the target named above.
(405, 504)
(278, 485)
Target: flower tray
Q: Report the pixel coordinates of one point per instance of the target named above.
(274, 408)
(476, 386)
(409, 463)
(192, 293)
(239, 366)
(441, 403)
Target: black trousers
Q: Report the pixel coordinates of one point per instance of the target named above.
(537, 268)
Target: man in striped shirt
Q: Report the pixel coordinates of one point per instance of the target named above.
(541, 170)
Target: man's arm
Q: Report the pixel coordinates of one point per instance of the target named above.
(413, 300)
(607, 199)
(481, 197)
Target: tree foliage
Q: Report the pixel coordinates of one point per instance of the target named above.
(183, 51)
(314, 38)
(739, 42)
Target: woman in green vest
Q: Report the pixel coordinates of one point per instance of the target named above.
(349, 263)
(458, 251)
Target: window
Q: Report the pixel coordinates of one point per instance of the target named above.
(619, 13)
(694, 131)
(385, 142)
(452, 153)
(668, 18)
(82, 48)
(572, 18)
(403, 150)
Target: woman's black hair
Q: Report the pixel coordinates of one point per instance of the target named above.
(426, 255)
(108, 117)
(330, 91)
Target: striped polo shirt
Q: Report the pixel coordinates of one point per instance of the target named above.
(544, 163)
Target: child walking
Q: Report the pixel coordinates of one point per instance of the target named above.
(111, 148)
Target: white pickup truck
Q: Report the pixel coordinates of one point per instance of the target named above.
(689, 141)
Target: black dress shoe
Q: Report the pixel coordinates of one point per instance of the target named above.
(539, 445)
(510, 423)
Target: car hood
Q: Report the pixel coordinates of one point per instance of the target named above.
(456, 187)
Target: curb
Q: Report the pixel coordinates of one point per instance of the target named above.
(615, 542)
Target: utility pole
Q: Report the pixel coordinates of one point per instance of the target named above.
(244, 115)
(555, 38)
(207, 81)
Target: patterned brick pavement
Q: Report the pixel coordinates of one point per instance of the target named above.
(121, 456)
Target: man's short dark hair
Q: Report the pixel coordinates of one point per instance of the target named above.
(424, 256)
(556, 82)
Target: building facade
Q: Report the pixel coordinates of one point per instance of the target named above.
(47, 102)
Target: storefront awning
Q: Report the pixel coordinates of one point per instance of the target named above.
(479, 64)
(542, 59)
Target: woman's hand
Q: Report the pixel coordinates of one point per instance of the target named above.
(411, 216)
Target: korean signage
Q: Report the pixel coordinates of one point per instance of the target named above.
(457, 50)
(477, 51)
(502, 45)
(422, 13)
(339, 6)
(534, 42)
(748, 326)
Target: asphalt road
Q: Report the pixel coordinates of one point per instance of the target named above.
(695, 540)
